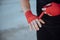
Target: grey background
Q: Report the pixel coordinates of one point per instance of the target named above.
(13, 24)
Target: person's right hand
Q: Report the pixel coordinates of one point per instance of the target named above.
(33, 20)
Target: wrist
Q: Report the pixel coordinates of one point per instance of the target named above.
(26, 10)
(28, 13)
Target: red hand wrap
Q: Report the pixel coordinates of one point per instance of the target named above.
(54, 9)
(41, 15)
(59, 5)
(30, 17)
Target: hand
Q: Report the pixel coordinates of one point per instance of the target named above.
(34, 24)
(52, 9)
(33, 21)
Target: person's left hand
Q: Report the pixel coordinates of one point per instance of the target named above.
(51, 9)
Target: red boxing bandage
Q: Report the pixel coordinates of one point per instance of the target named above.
(59, 5)
(41, 15)
(30, 17)
(53, 9)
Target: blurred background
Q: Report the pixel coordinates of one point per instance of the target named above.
(13, 24)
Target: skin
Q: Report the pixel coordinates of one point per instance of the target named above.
(34, 24)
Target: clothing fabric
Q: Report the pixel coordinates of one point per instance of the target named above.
(51, 29)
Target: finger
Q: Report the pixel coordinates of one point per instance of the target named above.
(43, 9)
(35, 25)
(48, 14)
(32, 25)
(38, 23)
(48, 4)
(41, 21)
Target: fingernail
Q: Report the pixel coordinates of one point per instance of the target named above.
(43, 9)
(40, 26)
(43, 22)
(37, 28)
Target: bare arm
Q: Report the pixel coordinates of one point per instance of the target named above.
(33, 20)
(25, 5)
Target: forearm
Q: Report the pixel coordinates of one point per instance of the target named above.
(32, 20)
(25, 5)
